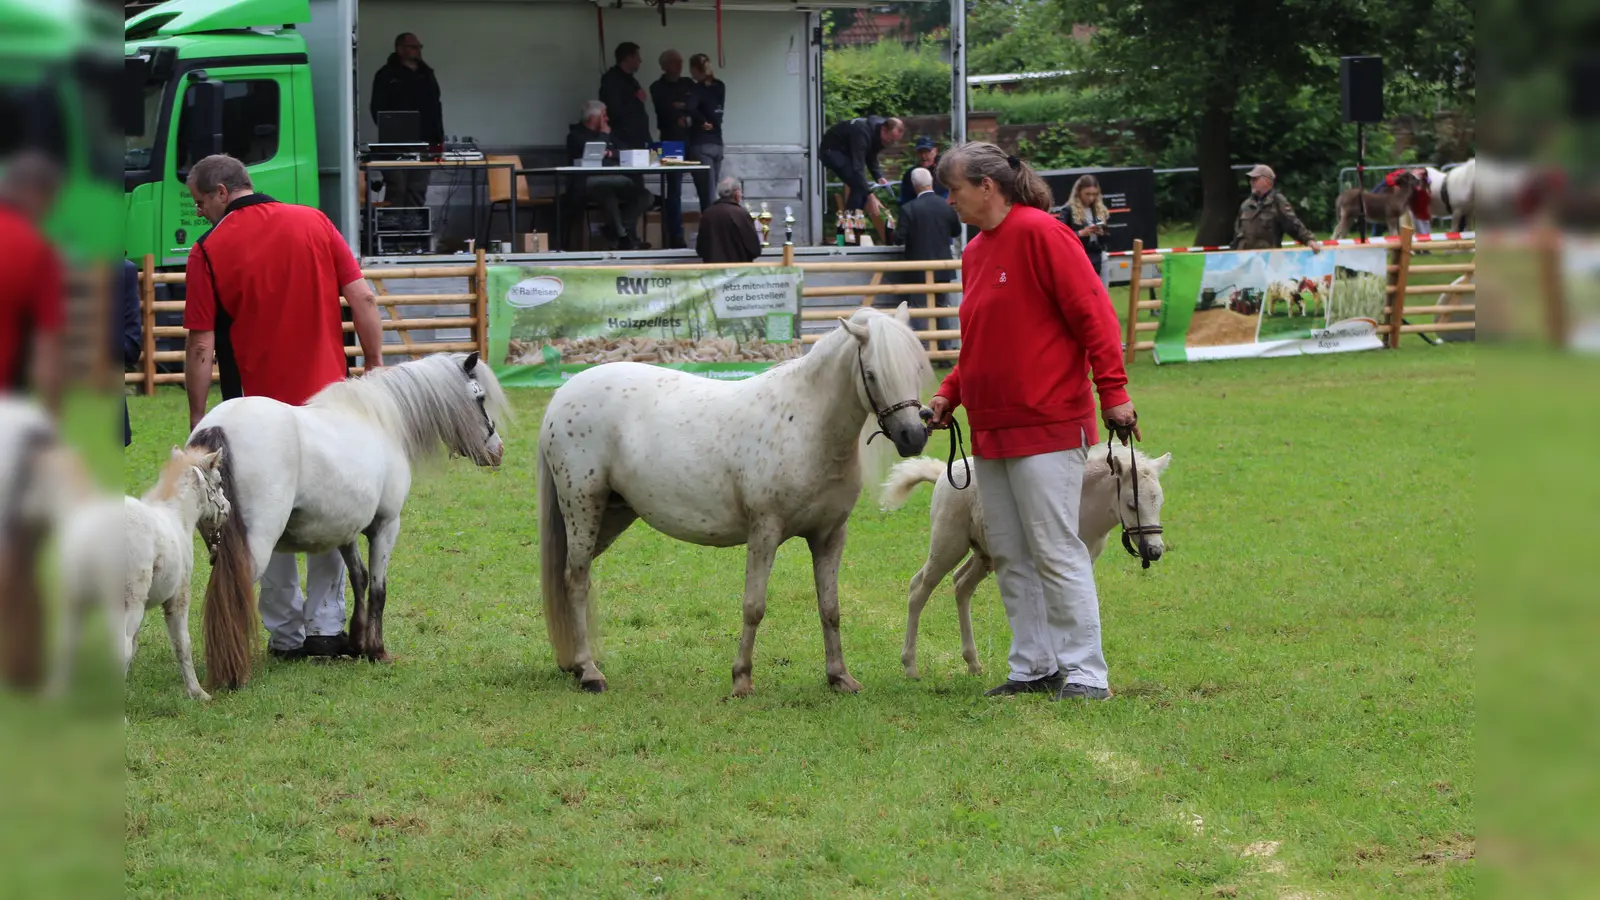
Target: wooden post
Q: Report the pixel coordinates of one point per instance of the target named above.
(1397, 305)
(788, 255)
(1130, 334)
(480, 287)
(932, 298)
(1555, 295)
(147, 316)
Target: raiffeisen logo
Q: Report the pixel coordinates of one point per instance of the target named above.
(531, 292)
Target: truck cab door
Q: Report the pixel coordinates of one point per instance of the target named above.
(249, 112)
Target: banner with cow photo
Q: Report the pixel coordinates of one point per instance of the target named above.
(547, 323)
(1262, 303)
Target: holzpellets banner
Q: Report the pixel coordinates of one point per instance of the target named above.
(1260, 303)
(547, 323)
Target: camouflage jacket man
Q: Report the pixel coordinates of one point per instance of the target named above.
(1263, 221)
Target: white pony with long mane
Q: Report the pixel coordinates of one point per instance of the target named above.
(127, 555)
(1452, 190)
(720, 464)
(1108, 500)
(308, 479)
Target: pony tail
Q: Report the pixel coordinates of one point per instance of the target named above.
(229, 615)
(1030, 189)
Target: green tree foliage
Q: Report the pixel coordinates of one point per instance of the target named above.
(1006, 36)
(1224, 62)
(885, 79)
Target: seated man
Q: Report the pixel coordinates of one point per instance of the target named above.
(623, 199)
(727, 233)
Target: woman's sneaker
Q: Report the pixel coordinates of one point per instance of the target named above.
(1080, 692)
(1050, 684)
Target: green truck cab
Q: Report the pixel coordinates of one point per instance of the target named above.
(215, 76)
(59, 90)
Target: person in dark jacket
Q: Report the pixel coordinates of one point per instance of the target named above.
(131, 332)
(672, 95)
(927, 158)
(705, 132)
(406, 83)
(624, 100)
(850, 147)
(622, 198)
(927, 226)
(727, 233)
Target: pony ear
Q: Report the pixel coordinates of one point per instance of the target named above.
(1115, 462)
(1160, 463)
(212, 460)
(902, 313)
(471, 363)
(859, 331)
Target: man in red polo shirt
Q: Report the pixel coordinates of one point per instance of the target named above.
(263, 288)
(31, 291)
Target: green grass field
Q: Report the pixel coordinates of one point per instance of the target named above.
(1294, 707)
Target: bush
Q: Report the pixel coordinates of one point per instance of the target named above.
(1061, 104)
(885, 79)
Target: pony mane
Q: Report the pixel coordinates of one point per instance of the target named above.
(170, 482)
(901, 361)
(421, 404)
(1099, 467)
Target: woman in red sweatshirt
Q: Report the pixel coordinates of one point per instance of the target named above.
(1035, 320)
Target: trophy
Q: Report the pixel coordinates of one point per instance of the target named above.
(788, 225)
(765, 218)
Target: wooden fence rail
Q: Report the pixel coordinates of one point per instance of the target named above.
(473, 308)
(1448, 316)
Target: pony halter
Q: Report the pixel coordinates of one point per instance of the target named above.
(1139, 529)
(878, 410)
(481, 395)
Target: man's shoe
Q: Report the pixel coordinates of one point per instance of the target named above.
(327, 645)
(1080, 692)
(1050, 684)
(287, 655)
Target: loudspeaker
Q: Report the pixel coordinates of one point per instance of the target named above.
(1361, 88)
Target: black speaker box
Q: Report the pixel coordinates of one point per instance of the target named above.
(1361, 88)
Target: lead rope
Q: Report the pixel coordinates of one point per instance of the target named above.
(957, 445)
(1139, 528)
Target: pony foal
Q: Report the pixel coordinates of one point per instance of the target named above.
(155, 534)
(957, 520)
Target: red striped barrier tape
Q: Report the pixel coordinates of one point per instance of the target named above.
(1386, 239)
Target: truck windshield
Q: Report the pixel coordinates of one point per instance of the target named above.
(136, 157)
(33, 118)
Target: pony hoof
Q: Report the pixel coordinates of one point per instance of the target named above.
(844, 684)
(913, 674)
(379, 656)
(202, 696)
(593, 687)
(743, 686)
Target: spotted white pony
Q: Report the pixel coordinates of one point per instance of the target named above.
(720, 464)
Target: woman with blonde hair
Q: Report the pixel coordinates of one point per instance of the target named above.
(1035, 321)
(1086, 214)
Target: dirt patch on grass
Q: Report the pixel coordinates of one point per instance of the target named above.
(1218, 327)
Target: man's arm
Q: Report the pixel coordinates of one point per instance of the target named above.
(752, 241)
(199, 357)
(369, 327)
(1293, 225)
(46, 374)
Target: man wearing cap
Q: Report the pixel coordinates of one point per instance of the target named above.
(927, 158)
(1266, 216)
